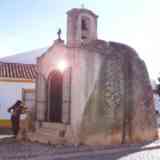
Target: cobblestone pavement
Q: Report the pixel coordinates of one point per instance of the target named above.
(12, 150)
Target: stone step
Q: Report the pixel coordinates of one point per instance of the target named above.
(37, 138)
(43, 138)
(52, 131)
(49, 130)
(54, 134)
(51, 125)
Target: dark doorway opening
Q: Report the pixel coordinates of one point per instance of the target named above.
(55, 87)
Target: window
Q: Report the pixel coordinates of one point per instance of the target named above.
(84, 25)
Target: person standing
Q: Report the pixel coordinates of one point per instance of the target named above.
(15, 111)
(23, 125)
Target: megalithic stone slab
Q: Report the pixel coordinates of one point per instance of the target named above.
(120, 109)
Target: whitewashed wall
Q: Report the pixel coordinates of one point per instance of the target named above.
(9, 93)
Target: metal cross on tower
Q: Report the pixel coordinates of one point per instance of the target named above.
(59, 33)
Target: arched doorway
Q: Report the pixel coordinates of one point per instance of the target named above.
(55, 90)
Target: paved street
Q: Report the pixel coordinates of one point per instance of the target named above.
(12, 150)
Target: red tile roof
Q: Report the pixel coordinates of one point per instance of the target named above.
(18, 70)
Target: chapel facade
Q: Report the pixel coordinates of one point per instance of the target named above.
(91, 91)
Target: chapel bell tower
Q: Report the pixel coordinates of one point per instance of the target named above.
(81, 27)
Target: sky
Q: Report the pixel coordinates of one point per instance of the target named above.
(30, 24)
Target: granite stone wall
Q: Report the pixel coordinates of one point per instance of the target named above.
(120, 108)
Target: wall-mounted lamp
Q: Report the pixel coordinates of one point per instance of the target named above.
(62, 65)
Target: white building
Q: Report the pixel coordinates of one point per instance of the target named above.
(17, 79)
(17, 82)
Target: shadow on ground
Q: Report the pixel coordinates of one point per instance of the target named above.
(12, 149)
(4, 131)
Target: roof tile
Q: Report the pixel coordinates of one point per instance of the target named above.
(18, 70)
